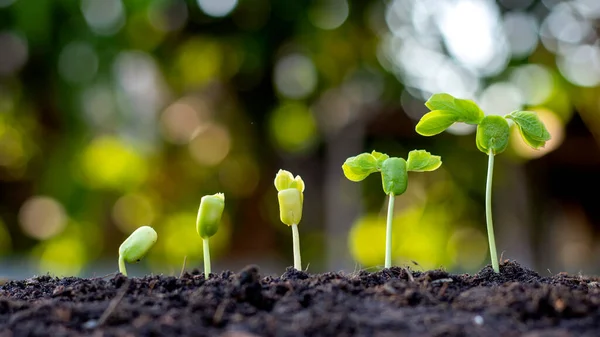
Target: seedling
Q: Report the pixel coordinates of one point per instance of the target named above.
(394, 178)
(291, 197)
(135, 247)
(207, 223)
(491, 139)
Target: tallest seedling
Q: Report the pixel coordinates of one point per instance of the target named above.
(491, 139)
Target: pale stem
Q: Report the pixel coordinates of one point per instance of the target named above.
(296, 243)
(122, 268)
(388, 232)
(488, 213)
(206, 249)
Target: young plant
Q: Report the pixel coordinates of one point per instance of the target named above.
(394, 178)
(135, 247)
(207, 223)
(291, 197)
(491, 138)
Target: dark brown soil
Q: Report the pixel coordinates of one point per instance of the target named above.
(391, 302)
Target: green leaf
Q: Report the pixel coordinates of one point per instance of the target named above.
(380, 157)
(394, 176)
(435, 122)
(466, 111)
(359, 167)
(492, 134)
(530, 126)
(421, 161)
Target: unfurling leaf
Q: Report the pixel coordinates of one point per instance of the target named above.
(359, 167)
(394, 176)
(380, 157)
(435, 122)
(530, 126)
(492, 134)
(421, 161)
(464, 110)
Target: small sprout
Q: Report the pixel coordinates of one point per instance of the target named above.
(491, 139)
(394, 178)
(135, 247)
(207, 223)
(291, 197)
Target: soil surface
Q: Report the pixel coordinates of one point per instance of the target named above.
(391, 302)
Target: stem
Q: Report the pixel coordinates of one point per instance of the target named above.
(206, 249)
(296, 243)
(122, 268)
(388, 232)
(488, 213)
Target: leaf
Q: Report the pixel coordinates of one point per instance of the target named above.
(421, 161)
(394, 176)
(435, 122)
(359, 167)
(530, 126)
(492, 134)
(380, 157)
(466, 111)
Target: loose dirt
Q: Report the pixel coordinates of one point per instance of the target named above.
(390, 302)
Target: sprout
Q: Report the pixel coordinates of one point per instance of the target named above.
(135, 247)
(491, 139)
(291, 198)
(207, 223)
(394, 178)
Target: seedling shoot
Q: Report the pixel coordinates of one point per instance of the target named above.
(491, 139)
(394, 178)
(207, 223)
(291, 197)
(135, 247)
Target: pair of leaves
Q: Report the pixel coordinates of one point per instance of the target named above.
(394, 171)
(445, 111)
(530, 126)
(492, 131)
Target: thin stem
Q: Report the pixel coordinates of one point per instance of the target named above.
(388, 232)
(488, 213)
(122, 268)
(296, 243)
(206, 249)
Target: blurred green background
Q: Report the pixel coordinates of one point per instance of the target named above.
(121, 113)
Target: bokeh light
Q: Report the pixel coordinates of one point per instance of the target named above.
(134, 210)
(210, 145)
(109, 163)
(217, 8)
(78, 62)
(293, 127)
(105, 17)
(179, 240)
(14, 52)
(42, 217)
(328, 14)
(295, 76)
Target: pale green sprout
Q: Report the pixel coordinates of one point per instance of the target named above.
(491, 139)
(394, 178)
(291, 197)
(207, 223)
(135, 247)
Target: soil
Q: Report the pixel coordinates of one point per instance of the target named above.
(390, 302)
